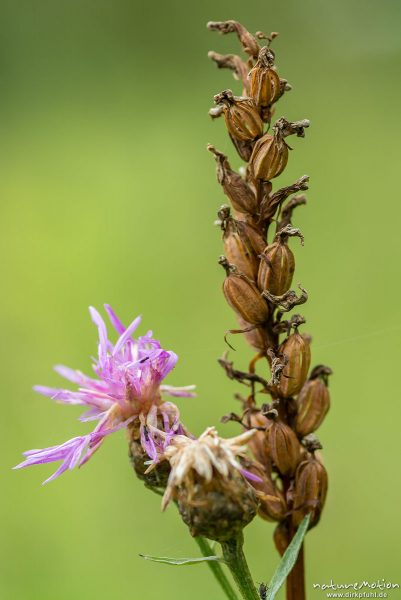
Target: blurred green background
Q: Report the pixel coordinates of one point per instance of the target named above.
(108, 195)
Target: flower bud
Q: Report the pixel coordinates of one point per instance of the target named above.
(236, 189)
(265, 82)
(310, 491)
(213, 497)
(242, 119)
(277, 264)
(283, 444)
(296, 349)
(242, 246)
(313, 403)
(243, 296)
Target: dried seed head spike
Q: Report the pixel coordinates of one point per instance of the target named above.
(241, 116)
(233, 62)
(248, 42)
(236, 189)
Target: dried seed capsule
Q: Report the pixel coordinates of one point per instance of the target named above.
(272, 506)
(283, 445)
(242, 119)
(265, 82)
(269, 157)
(277, 264)
(242, 244)
(236, 189)
(243, 296)
(313, 403)
(310, 490)
(270, 153)
(296, 349)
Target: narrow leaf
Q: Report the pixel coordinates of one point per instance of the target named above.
(288, 560)
(181, 561)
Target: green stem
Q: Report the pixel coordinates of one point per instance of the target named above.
(216, 568)
(235, 559)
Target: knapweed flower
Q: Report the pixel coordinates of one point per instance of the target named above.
(208, 482)
(127, 390)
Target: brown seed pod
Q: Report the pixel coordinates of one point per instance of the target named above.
(269, 157)
(265, 82)
(242, 119)
(283, 445)
(296, 348)
(272, 506)
(277, 265)
(311, 483)
(313, 403)
(242, 245)
(236, 189)
(243, 296)
(270, 153)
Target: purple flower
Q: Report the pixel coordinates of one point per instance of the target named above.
(127, 388)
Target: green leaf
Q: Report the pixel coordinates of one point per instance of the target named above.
(182, 561)
(288, 560)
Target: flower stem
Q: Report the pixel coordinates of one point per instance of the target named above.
(236, 561)
(216, 568)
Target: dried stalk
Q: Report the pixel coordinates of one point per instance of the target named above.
(259, 271)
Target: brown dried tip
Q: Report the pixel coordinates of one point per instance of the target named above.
(248, 41)
(233, 62)
(236, 189)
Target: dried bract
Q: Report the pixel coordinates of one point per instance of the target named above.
(248, 41)
(236, 189)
